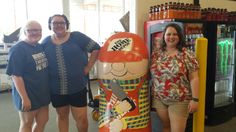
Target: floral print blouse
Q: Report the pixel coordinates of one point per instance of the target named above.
(170, 75)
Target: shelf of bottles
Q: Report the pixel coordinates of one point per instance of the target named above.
(192, 32)
(215, 14)
(177, 10)
(174, 10)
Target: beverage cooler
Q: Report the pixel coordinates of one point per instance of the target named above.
(192, 29)
(220, 84)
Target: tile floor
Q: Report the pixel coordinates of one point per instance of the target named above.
(9, 120)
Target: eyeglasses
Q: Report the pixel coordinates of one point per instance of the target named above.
(58, 23)
(34, 30)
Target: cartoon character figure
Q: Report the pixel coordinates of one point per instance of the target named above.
(124, 95)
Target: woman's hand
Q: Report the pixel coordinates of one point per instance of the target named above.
(26, 104)
(193, 106)
(86, 70)
(20, 87)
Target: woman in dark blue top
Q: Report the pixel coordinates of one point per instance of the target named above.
(27, 66)
(67, 54)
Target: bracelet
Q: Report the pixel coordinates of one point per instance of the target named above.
(195, 99)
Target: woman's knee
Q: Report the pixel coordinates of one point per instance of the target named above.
(82, 118)
(62, 116)
(26, 119)
(63, 113)
(26, 123)
(43, 120)
(42, 116)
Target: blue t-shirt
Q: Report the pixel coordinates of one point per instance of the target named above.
(30, 63)
(67, 62)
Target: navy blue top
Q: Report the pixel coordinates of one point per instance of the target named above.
(67, 62)
(30, 63)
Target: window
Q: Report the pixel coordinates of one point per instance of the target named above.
(98, 19)
(15, 13)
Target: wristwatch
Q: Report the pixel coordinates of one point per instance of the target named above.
(195, 99)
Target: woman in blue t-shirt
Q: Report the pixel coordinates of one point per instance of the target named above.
(67, 54)
(27, 65)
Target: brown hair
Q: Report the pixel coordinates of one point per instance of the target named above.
(180, 34)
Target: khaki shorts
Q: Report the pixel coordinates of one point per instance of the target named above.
(178, 108)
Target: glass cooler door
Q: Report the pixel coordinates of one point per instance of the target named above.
(224, 67)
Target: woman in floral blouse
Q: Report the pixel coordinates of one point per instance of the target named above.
(174, 71)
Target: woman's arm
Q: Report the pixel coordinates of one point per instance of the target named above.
(194, 82)
(92, 59)
(20, 87)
